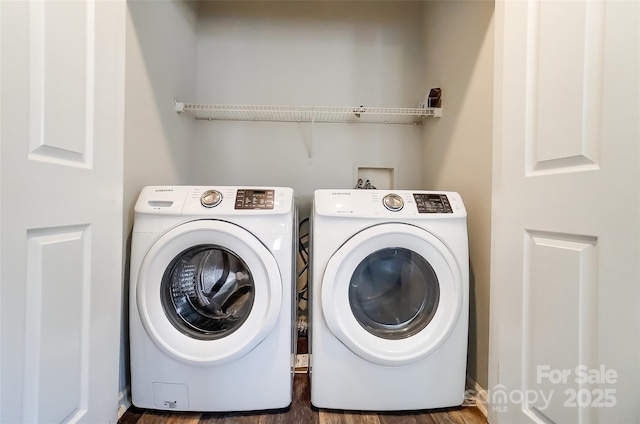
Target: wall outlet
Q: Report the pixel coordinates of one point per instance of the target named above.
(302, 363)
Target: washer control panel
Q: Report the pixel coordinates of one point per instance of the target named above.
(214, 201)
(432, 203)
(254, 199)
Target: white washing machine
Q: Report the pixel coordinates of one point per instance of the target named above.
(212, 310)
(389, 300)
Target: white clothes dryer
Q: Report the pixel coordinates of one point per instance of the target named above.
(389, 300)
(212, 310)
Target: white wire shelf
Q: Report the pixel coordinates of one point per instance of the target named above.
(319, 114)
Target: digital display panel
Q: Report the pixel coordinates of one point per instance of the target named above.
(432, 203)
(254, 199)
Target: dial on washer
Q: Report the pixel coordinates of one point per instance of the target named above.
(211, 198)
(393, 202)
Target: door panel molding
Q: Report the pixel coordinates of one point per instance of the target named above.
(559, 309)
(564, 87)
(57, 100)
(56, 320)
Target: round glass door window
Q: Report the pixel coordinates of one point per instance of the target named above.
(394, 293)
(207, 292)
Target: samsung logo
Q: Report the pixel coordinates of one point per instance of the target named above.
(160, 190)
(340, 193)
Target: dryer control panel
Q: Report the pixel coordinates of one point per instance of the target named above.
(396, 204)
(432, 203)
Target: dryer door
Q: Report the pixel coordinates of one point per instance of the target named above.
(392, 293)
(208, 292)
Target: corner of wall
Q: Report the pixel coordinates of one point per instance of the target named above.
(160, 39)
(458, 146)
(124, 402)
(477, 396)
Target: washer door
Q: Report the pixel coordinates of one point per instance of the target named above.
(392, 293)
(208, 292)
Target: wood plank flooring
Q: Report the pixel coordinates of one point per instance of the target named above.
(302, 412)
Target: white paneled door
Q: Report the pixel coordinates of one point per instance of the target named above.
(565, 344)
(62, 113)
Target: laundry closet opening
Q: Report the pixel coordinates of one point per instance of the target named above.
(315, 54)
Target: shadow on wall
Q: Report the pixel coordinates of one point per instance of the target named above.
(125, 369)
(461, 63)
(160, 40)
(161, 48)
(458, 147)
(472, 349)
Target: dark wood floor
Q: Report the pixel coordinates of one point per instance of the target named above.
(302, 412)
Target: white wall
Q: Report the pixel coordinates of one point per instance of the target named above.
(308, 53)
(457, 156)
(158, 149)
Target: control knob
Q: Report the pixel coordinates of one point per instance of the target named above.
(211, 198)
(393, 202)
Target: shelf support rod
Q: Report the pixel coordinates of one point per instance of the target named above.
(310, 146)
